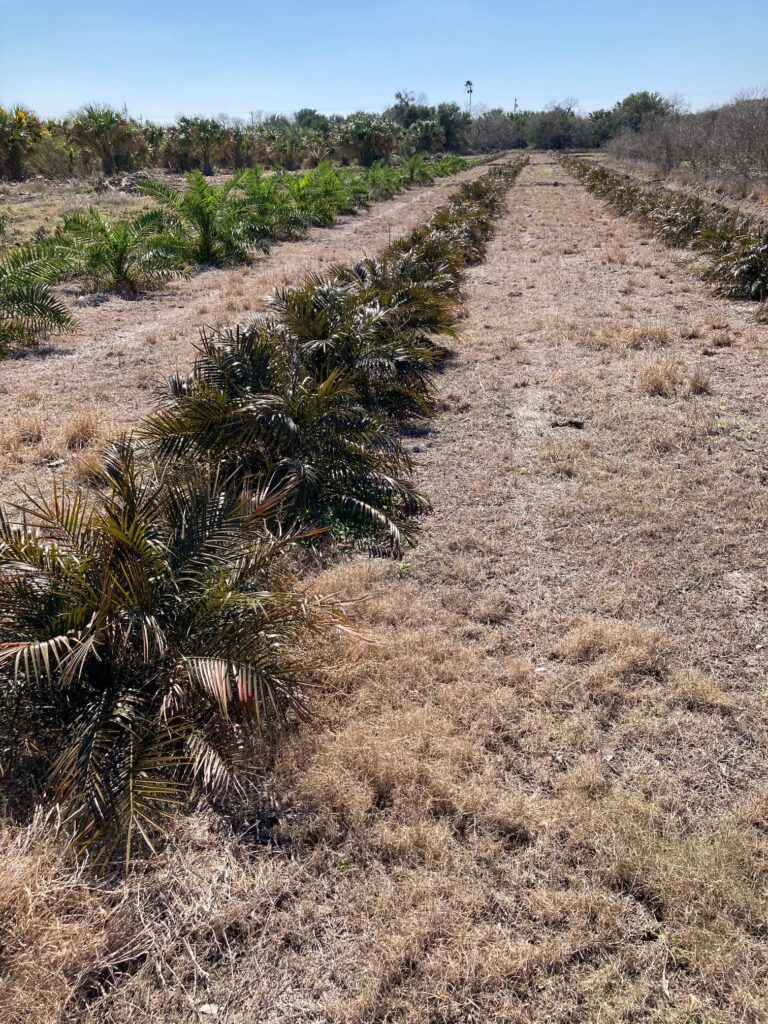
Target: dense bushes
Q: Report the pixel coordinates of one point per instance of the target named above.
(736, 246)
(99, 139)
(727, 142)
(150, 633)
(561, 127)
(108, 136)
(20, 132)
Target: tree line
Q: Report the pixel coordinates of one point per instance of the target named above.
(99, 139)
(730, 141)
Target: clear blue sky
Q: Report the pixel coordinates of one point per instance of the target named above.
(166, 57)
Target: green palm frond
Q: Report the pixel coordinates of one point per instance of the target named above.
(125, 256)
(28, 307)
(217, 224)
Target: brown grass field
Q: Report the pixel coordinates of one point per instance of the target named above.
(541, 795)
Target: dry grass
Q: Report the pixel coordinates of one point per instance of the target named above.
(741, 195)
(80, 431)
(38, 205)
(722, 339)
(87, 469)
(699, 381)
(647, 336)
(542, 796)
(659, 378)
(29, 431)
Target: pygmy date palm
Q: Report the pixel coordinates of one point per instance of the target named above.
(125, 256)
(147, 635)
(253, 406)
(216, 224)
(28, 307)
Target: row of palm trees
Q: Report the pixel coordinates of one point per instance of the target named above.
(100, 139)
(735, 245)
(152, 630)
(198, 224)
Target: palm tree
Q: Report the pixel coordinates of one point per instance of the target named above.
(104, 132)
(325, 192)
(149, 638)
(199, 141)
(126, 256)
(28, 307)
(253, 408)
(217, 223)
(416, 169)
(364, 138)
(20, 129)
(377, 334)
(273, 202)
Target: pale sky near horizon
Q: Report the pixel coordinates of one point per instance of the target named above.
(167, 57)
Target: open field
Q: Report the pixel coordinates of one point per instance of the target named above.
(32, 206)
(541, 794)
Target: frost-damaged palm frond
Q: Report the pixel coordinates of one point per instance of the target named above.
(150, 634)
(253, 406)
(28, 307)
(378, 338)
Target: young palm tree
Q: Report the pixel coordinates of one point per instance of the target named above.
(28, 307)
(253, 407)
(217, 224)
(326, 192)
(148, 636)
(416, 169)
(125, 256)
(273, 204)
(383, 181)
(207, 139)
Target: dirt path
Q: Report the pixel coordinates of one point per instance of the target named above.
(542, 797)
(61, 402)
